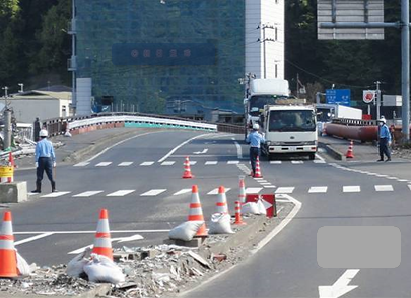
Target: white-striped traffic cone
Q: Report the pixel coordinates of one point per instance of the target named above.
(102, 240)
(8, 259)
(222, 201)
(196, 212)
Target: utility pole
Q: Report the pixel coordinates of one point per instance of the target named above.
(7, 128)
(405, 53)
(378, 96)
(297, 85)
(263, 27)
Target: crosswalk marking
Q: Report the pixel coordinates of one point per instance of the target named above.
(275, 162)
(152, 193)
(233, 162)
(168, 163)
(88, 193)
(215, 191)
(193, 162)
(318, 189)
(383, 188)
(183, 191)
(265, 183)
(319, 161)
(56, 194)
(353, 188)
(284, 190)
(103, 164)
(147, 163)
(296, 162)
(270, 186)
(253, 190)
(212, 162)
(82, 164)
(262, 181)
(121, 193)
(402, 180)
(125, 164)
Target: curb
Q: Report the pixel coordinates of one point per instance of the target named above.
(332, 151)
(99, 290)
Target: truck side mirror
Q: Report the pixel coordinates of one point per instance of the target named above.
(245, 100)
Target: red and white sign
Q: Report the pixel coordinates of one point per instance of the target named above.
(368, 96)
(268, 201)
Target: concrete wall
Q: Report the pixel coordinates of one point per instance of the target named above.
(83, 97)
(269, 13)
(26, 110)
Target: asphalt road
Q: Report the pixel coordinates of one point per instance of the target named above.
(152, 198)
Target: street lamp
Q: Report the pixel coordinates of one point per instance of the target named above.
(21, 87)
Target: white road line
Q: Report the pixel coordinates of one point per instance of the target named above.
(319, 161)
(296, 162)
(168, 163)
(279, 210)
(275, 162)
(118, 143)
(381, 176)
(179, 146)
(262, 181)
(192, 162)
(282, 201)
(126, 164)
(318, 189)
(121, 193)
(265, 183)
(409, 186)
(355, 188)
(81, 164)
(183, 191)
(270, 186)
(103, 164)
(239, 150)
(402, 180)
(80, 250)
(207, 163)
(383, 188)
(233, 162)
(152, 193)
(43, 235)
(56, 194)
(215, 191)
(89, 232)
(253, 190)
(147, 163)
(88, 193)
(393, 178)
(284, 190)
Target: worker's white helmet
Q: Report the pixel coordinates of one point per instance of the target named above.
(256, 126)
(383, 120)
(44, 133)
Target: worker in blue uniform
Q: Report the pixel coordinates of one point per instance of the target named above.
(385, 140)
(45, 161)
(255, 139)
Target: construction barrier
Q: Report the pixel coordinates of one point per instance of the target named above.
(268, 201)
(6, 174)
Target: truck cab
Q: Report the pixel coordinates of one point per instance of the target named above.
(290, 129)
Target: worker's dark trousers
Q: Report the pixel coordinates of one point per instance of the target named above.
(384, 148)
(254, 152)
(45, 164)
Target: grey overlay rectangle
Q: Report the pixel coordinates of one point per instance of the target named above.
(359, 247)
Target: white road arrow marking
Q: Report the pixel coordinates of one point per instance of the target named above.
(340, 287)
(201, 152)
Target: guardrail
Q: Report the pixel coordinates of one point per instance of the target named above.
(75, 125)
(354, 122)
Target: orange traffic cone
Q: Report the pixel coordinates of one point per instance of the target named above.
(238, 218)
(241, 191)
(350, 153)
(8, 259)
(196, 212)
(221, 201)
(11, 160)
(187, 169)
(102, 239)
(257, 169)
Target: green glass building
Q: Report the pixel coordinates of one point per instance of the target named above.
(162, 56)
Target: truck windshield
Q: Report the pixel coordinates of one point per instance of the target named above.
(292, 120)
(258, 102)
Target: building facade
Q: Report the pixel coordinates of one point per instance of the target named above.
(174, 56)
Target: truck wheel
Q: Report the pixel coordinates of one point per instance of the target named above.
(311, 156)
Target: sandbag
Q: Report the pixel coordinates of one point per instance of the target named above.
(220, 224)
(261, 207)
(75, 266)
(250, 208)
(22, 266)
(102, 269)
(186, 231)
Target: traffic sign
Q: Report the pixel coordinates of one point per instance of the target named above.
(340, 96)
(368, 96)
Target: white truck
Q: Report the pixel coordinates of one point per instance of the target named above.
(260, 93)
(327, 112)
(290, 129)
